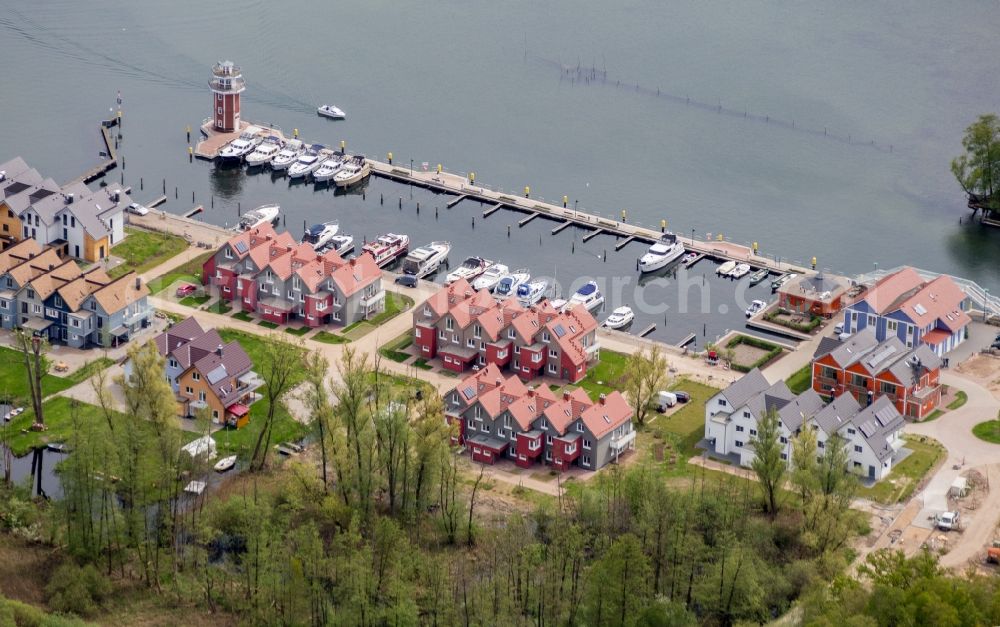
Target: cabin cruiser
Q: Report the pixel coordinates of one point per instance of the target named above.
(387, 248)
(558, 304)
(328, 169)
(620, 317)
(305, 164)
(755, 307)
(489, 279)
(332, 112)
(353, 172)
(340, 244)
(471, 268)
(239, 148)
(589, 296)
(319, 235)
(758, 276)
(265, 152)
(264, 214)
(740, 271)
(726, 268)
(508, 284)
(530, 293)
(662, 253)
(285, 157)
(781, 280)
(426, 260)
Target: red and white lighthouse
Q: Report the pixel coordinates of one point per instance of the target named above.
(227, 84)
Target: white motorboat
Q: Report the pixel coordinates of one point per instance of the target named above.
(238, 148)
(305, 164)
(558, 303)
(332, 112)
(740, 271)
(781, 280)
(508, 284)
(471, 268)
(265, 152)
(530, 293)
(387, 248)
(353, 172)
(341, 244)
(319, 235)
(589, 295)
(226, 463)
(619, 318)
(489, 279)
(665, 251)
(426, 260)
(327, 169)
(264, 214)
(285, 158)
(755, 307)
(726, 268)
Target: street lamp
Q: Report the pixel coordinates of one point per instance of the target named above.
(411, 167)
(692, 237)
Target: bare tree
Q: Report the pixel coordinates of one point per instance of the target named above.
(33, 349)
(282, 361)
(645, 375)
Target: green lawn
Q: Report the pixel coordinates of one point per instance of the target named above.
(801, 380)
(934, 415)
(422, 364)
(960, 399)
(58, 412)
(679, 432)
(143, 250)
(329, 338)
(606, 375)
(988, 431)
(14, 382)
(267, 324)
(188, 272)
(220, 306)
(244, 316)
(906, 475)
(195, 301)
(394, 305)
(297, 332)
(394, 349)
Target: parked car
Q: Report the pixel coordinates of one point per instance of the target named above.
(838, 328)
(186, 290)
(682, 397)
(665, 400)
(406, 280)
(138, 209)
(996, 342)
(948, 521)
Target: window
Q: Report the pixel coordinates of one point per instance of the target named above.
(482, 346)
(753, 432)
(739, 428)
(857, 380)
(172, 363)
(441, 335)
(470, 425)
(722, 402)
(321, 306)
(553, 353)
(784, 456)
(502, 354)
(891, 326)
(477, 331)
(486, 427)
(827, 372)
(229, 253)
(851, 431)
(511, 333)
(858, 449)
(189, 389)
(479, 413)
(857, 464)
(454, 338)
(215, 414)
(31, 293)
(579, 427)
(887, 388)
(553, 369)
(871, 320)
(449, 323)
(739, 444)
(471, 343)
(219, 110)
(517, 350)
(196, 376)
(820, 444)
(548, 440)
(545, 336)
(75, 323)
(587, 444)
(427, 312)
(585, 460)
(746, 414)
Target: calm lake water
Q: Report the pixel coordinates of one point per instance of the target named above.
(813, 128)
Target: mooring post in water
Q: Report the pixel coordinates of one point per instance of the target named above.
(189, 133)
(164, 187)
(400, 202)
(508, 230)
(213, 201)
(473, 222)
(140, 183)
(239, 209)
(435, 213)
(381, 199)
(175, 192)
(192, 195)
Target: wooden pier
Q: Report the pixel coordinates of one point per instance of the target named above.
(625, 242)
(686, 340)
(488, 212)
(194, 212)
(562, 226)
(108, 164)
(456, 200)
(592, 235)
(693, 260)
(528, 219)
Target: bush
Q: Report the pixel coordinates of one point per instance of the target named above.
(77, 590)
(773, 350)
(809, 327)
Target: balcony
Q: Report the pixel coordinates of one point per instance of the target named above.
(925, 392)
(249, 382)
(825, 383)
(620, 442)
(373, 299)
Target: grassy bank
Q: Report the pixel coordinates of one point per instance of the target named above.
(143, 250)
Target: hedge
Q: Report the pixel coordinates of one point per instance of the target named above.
(814, 322)
(773, 350)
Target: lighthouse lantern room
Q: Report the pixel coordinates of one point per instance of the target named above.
(227, 84)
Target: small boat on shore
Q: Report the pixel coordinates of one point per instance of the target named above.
(530, 293)
(332, 112)
(740, 271)
(353, 172)
(319, 235)
(508, 284)
(661, 254)
(470, 269)
(619, 318)
(226, 463)
(264, 214)
(426, 260)
(589, 295)
(726, 268)
(264, 153)
(781, 280)
(489, 279)
(387, 248)
(758, 276)
(328, 169)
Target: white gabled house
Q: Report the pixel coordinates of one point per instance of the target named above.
(871, 434)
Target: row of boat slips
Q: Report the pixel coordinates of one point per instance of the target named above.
(258, 148)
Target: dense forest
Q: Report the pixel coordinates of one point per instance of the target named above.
(387, 526)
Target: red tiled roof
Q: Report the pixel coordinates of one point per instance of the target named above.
(356, 274)
(889, 289)
(935, 337)
(530, 406)
(566, 410)
(940, 300)
(606, 415)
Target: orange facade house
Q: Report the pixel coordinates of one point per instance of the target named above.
(818, 294)
(868, 369)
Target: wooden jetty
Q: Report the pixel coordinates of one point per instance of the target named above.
(194, 212)
(456, 200)
(108, 164)
(562, 226)
(156, 202)
(528, 219)
(687, 339)
(625, 242)
(694, 260)
(488, 212)
(592, 234)
(647, 330)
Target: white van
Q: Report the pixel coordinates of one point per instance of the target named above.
(665, 400)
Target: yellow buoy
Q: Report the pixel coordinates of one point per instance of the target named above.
(719, 237)
(439, 168)
(472, 177)
(190, 150)
(814, 263)
(296, 133)
(343, 145)
(755, 248)
(527, 191)
(390, 158)
(565, 200)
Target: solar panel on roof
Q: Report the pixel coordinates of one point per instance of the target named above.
(468, 392)
(241, 247)
(559, 330)
(216, 374)
(882, 354)
(884, 416)
(919, 309)
(868, 429)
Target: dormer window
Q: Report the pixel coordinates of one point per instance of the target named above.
(427, 312)
(511, 334)
(229, 253)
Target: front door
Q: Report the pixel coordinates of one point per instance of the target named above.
(871, 472)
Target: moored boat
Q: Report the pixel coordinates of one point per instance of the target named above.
(328, 169)
(319, 235)
(666, 250)
(726, 268)
(354, 171)
(332, 112)
(426, 260)
(619, 318)
(387, 248)
(471, 268)
(286, 157)
(758, 276)
(342, 244)
(530, 293)
(740, 271)
(508, 284)
(489, 279)
(755, 307)
(264, 214)
(264, 153)
(781, 280)
(226, 463)
(305, 164)
(589, 295)
(237, 149)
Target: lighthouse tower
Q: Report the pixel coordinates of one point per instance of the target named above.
(227, 84)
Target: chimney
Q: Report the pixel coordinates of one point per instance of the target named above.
(499, 381)
(138, 283)
(3, 175)
(69, 199)
(353, 261)
(566, 396)
(603, 398)
(531, 392)
(218, 350)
